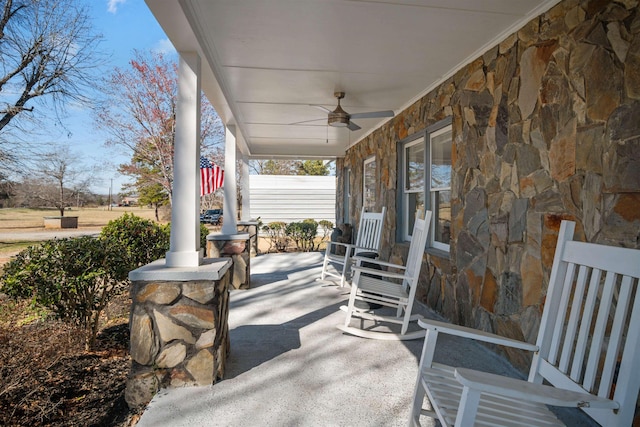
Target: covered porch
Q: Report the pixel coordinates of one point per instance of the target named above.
(529, 132)
(289, 365)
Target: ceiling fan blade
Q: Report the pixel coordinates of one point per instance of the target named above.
(307, 121)
(353, 126)
(372, 114)
(325, 109)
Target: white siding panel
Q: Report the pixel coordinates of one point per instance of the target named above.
(293, 198)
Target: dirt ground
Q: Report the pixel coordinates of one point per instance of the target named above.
(48, 379)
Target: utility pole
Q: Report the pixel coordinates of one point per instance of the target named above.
(110, 190)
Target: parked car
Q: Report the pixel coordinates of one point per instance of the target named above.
(211, 216)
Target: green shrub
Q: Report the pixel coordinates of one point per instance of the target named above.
(327, 228)
(303, 234)
(204, 232)
(23, 271)
(277, 235)
(75, 278)
(141, 240)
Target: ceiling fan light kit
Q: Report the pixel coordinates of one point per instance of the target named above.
(339, 118)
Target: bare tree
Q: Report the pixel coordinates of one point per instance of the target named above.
(274, 167)
(139, 114)
(47, 54)
(60, 169)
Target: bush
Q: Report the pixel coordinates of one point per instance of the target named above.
(76, 278)
(327, 228)
(303, 234)
(141, 240)
(277, 235)
(23, 271)
(204, 232)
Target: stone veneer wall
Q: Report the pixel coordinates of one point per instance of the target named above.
(546, 126)
(238, 248)
(179, 335)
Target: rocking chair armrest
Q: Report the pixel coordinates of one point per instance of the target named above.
(378, 262)
(350, 248)
(476, 334)
(346, 245)
(485, 382)
(380, 273)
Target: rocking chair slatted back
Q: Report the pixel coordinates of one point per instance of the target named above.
(589, 333)
(340, 255)
(370, 231)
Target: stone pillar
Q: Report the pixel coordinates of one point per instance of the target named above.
(237, 247)
(250, 227)
(230, 186)
(184, 249)
(178, 325)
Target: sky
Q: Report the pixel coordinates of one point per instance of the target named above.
(125, 25)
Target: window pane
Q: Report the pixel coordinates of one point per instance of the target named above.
(414, 167)
(369, 200)
(415, 203)
(442, 216)
(441, 160)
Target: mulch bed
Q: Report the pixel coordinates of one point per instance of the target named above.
(47, 378)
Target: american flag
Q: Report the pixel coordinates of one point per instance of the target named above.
(211, 177)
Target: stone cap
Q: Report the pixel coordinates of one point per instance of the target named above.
(238, 236)
(210, 269)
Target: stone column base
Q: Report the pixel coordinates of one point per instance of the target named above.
(250, 227)
(236, 247)
(179, 328)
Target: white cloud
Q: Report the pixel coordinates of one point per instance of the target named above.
(112, 5)
(164, 47)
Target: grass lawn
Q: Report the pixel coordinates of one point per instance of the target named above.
(14, 222)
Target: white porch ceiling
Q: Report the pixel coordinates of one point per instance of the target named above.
(266, 61)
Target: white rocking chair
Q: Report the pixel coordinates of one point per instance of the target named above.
(588, 350)
(368, 240)
(395, 287)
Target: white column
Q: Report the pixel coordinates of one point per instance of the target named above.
(184, 249)
(246, 198)
(230, 210)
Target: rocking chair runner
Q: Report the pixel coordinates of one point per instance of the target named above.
(395, 287)
(368, 240)
(588, 350)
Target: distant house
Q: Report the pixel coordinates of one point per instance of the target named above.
(290, 198)
(129, 201)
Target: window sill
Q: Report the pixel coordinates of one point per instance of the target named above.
(438, 252)
(431, 251)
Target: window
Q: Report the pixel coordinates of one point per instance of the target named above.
(369, 184)
(440, 187)
(414, 160)
(426, 183)
(346, 201)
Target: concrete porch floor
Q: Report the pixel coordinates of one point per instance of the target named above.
(290, 366)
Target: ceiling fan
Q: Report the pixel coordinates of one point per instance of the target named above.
(340, 118)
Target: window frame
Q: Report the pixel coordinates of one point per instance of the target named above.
(369, 207)
(346, 201)
(424, 137)
(431, 201)
(411, 142)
